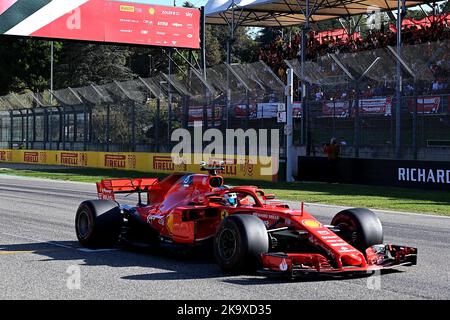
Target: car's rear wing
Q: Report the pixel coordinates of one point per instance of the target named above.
(107, 188)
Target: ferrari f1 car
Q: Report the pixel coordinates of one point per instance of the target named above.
(247, 227)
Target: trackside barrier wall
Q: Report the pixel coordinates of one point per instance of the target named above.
(400, 173)
(139, 161)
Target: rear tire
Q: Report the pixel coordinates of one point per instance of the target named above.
(98, 223)
(360, 227)
(240, 240)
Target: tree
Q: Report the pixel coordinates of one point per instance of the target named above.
(244, 48)
(25, 65)
(147, 61)
(82, 64)
(268, 35)
(213, 48)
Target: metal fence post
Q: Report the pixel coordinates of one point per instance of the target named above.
(45, 129)
(398, 87)
(133, 126)
(75, 126)
(357, 133)
(63, 125)
(289, 125)
(11, 130)
(107, 135)
(185, 111)
(34, 128)
(91, 120)
(50, 138)
(27, 129)
(414, 126)
(85, 127)
(247, 108)
(158, 120)
(169, 98)
(22, 120)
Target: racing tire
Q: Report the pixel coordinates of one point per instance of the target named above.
(98, 223)
(239, 242)
(360, 227)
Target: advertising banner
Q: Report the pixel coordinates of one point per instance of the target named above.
(401, 173)
(376, 106)
(268, 110)
(425, 105)
(341, 109)
(214, 114)
(240, 111)
(336, 109)
(116, 21)
(140, 161)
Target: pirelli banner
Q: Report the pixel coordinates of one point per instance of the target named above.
(139, 161)
(401, 173)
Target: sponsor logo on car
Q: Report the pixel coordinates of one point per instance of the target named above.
(311, 223)
(169, 223)
(223, 214)
(283, 265)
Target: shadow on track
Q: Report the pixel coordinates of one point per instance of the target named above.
(174, 265)
(306, 278)
(169, 265)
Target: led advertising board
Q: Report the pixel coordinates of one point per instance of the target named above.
(114, 21)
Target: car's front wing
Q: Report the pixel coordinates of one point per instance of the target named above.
(378, 257)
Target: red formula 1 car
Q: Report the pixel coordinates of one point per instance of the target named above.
(245, 226)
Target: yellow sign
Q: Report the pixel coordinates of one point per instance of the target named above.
(244, 168)
(124, 8)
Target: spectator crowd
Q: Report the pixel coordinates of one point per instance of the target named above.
(430, 41)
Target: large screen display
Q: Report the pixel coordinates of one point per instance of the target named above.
(113, 21)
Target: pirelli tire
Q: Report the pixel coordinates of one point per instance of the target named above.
(360, 227)
(239, 242)
(98, 223)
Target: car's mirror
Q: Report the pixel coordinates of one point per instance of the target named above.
(269, 197)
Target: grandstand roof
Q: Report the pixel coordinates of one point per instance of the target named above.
(280, 13)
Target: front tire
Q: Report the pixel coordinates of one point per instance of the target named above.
(98, 223)
(240, 240)
(360, 227)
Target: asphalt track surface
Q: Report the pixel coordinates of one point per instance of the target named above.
(38, 246)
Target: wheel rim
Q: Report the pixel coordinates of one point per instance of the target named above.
(227, 244)
(83, 224)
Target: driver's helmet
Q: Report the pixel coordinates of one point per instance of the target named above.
(231, 198)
